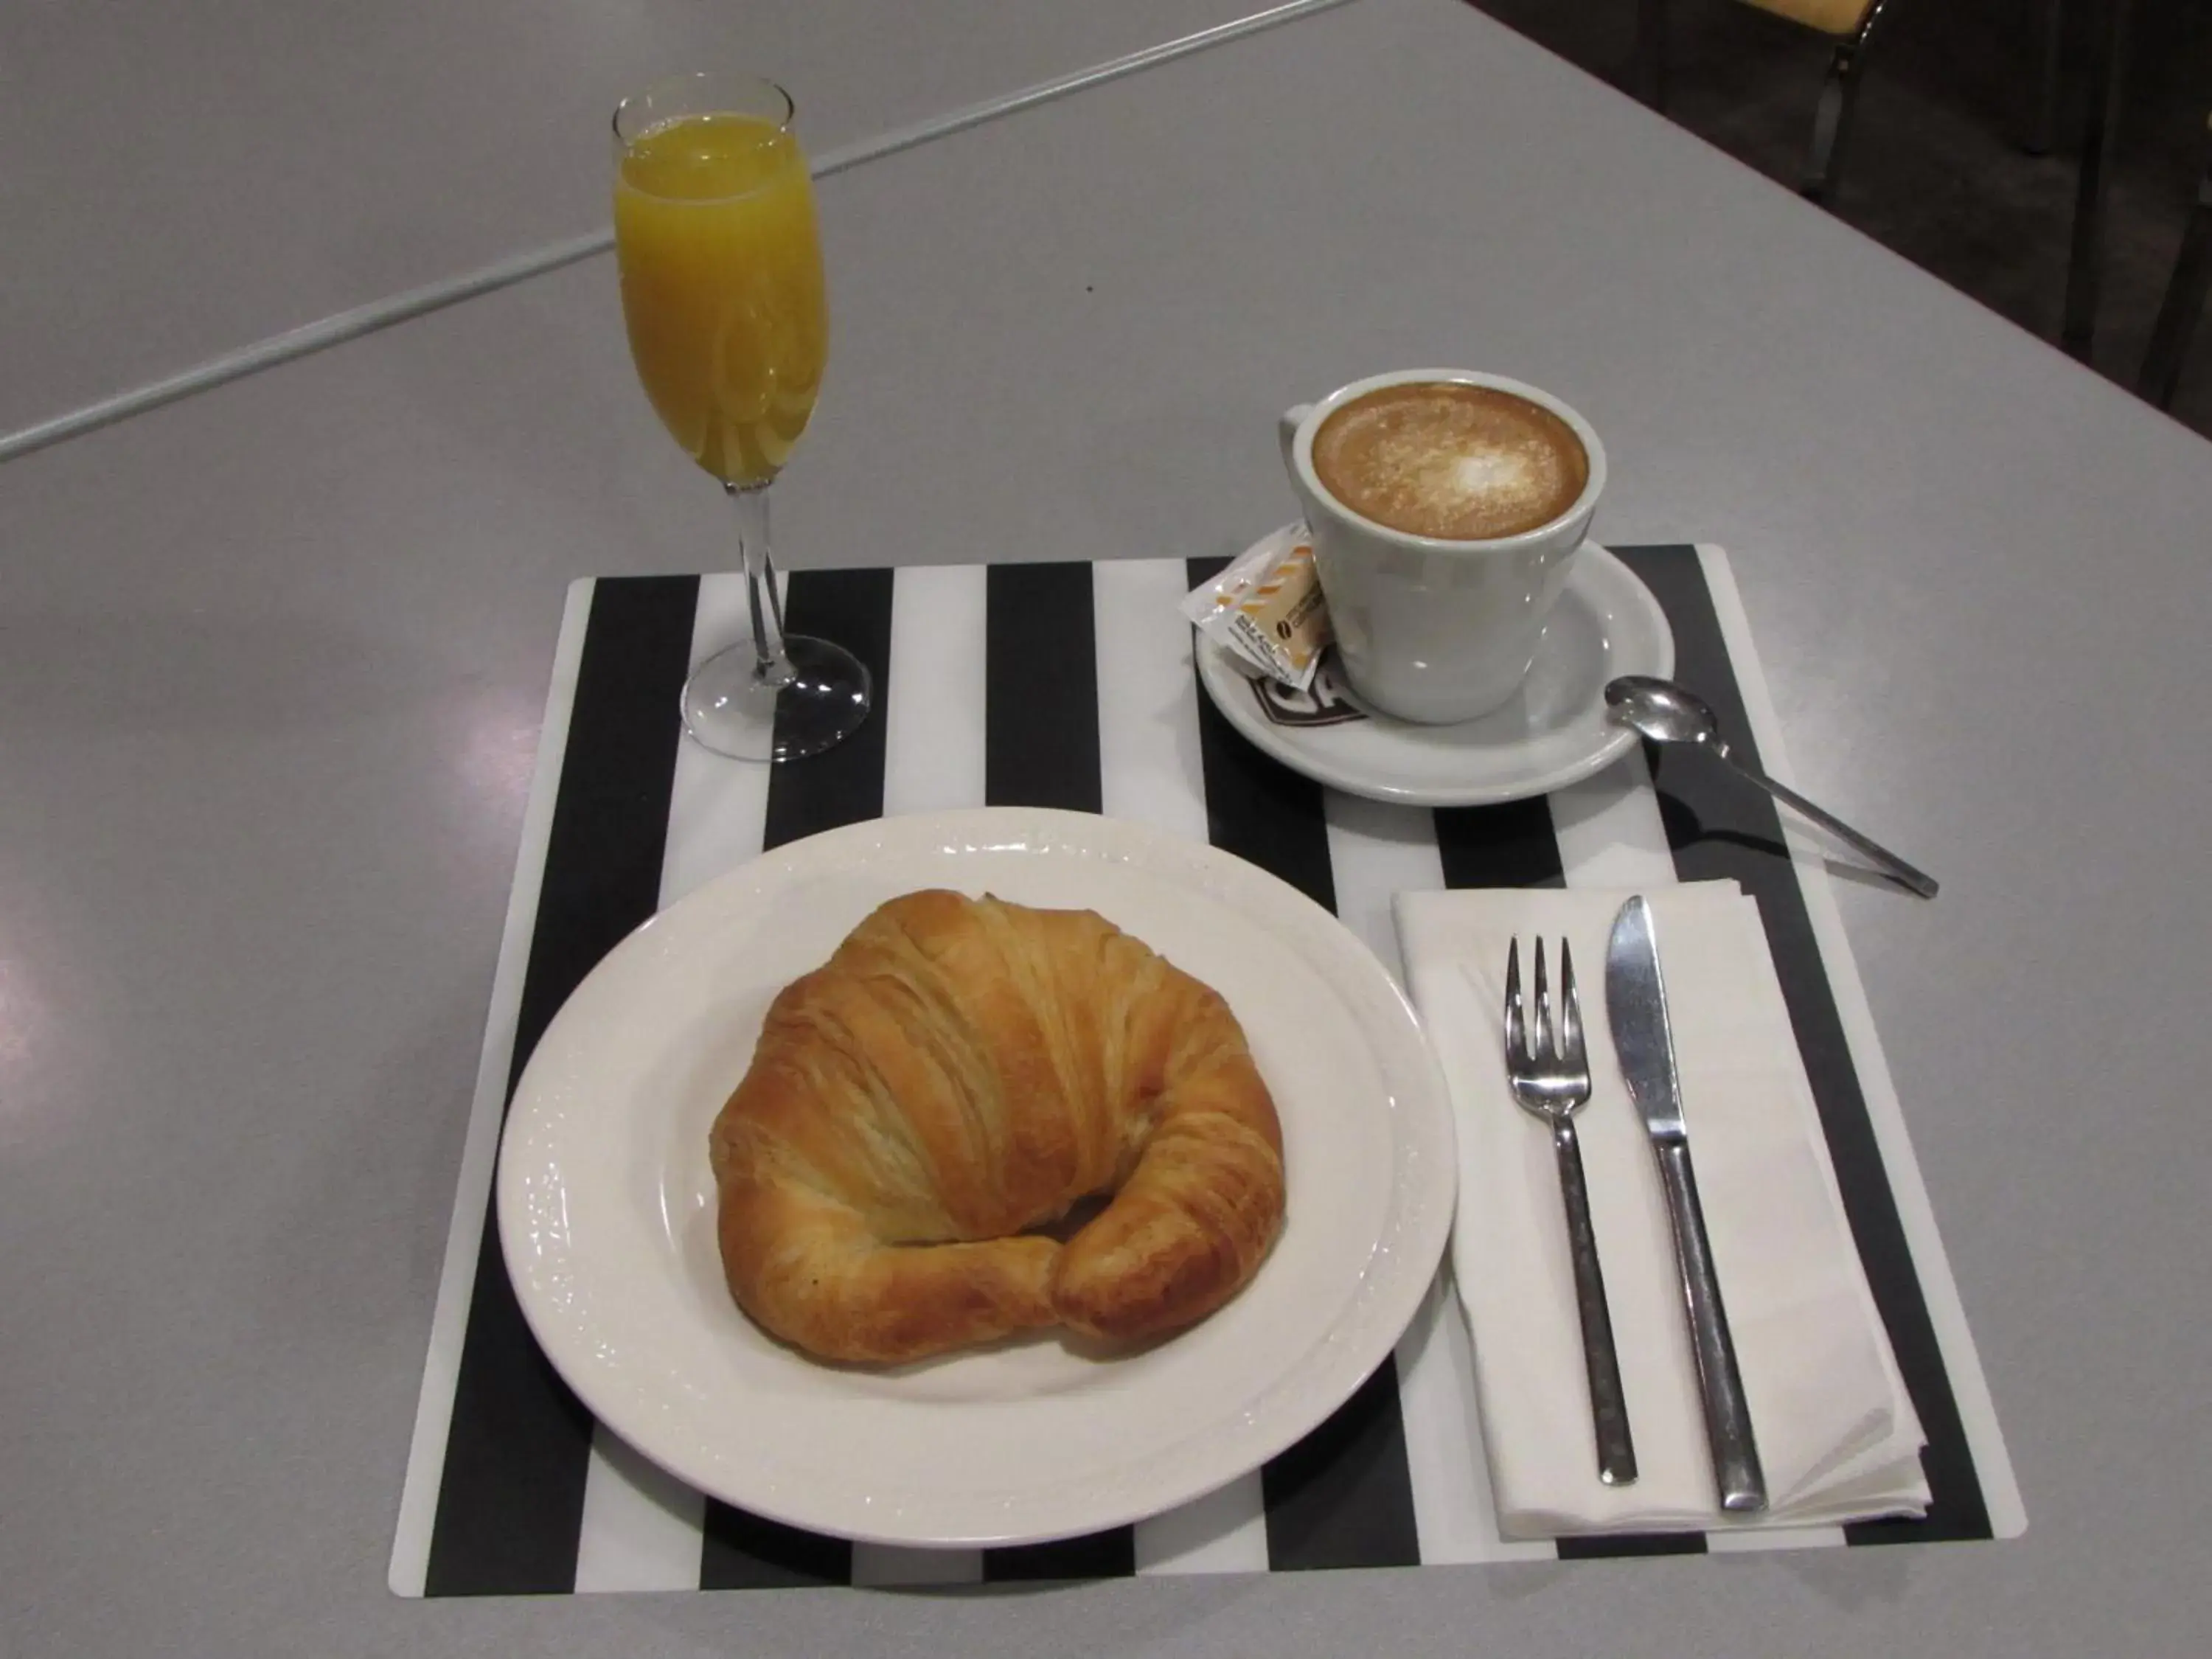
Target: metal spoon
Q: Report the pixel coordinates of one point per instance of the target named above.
(1667, 712)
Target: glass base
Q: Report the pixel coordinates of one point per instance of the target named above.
(729, 707)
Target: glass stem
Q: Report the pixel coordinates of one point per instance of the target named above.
(770, 665)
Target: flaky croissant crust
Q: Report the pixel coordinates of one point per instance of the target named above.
(963, 1070)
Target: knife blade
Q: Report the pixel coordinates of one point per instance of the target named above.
(1643, 1038)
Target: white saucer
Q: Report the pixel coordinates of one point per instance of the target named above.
(1553, 732)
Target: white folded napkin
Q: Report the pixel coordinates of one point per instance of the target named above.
(1837, 1432)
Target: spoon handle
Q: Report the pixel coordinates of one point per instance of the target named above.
(1919, 880)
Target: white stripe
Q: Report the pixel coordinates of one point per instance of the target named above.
(1752, 1541)
(642, 1525)
(1225, 1531)
(641, 1528)
(1376, 850)
(1455, 1514)
(1147, 697)
(717, 807)
(1970, 1389)
(434, 1407)
(933, 740)
(932, 760)
(535, 262)
(1149, 772)
(1609, 830)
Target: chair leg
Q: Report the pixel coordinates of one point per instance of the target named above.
(2177, 314)
(1649, 70)
(2050, 58)
(1831, 123)
(2085, 262)
(1832, 115)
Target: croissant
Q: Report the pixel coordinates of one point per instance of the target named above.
(960, 1073)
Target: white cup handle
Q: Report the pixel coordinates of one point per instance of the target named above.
(1286, 431)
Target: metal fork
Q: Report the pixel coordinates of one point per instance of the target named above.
(1551, 1080)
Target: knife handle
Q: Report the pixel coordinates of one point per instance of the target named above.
(1616, 1447)
(1742, 1483)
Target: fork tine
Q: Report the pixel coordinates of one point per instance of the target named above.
(1516, 1036)
(1543, 1045)
(1571, 1011)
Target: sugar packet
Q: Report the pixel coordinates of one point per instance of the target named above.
(1267, 608)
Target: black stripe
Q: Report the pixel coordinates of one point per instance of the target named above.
(842, 786)
(511, 1495)
(1343, 1497)
(1257, 807)
(1516, 845)
(1109, 1554)
(1611, 1546)
(1040, 689)
(1509, 846)
(1719, 826)
(741, 1551)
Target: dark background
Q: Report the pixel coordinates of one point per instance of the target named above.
(1936, 170)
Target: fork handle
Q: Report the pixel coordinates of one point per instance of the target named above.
(1616, 1448)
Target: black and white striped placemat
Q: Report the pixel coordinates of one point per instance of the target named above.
(512, 1488)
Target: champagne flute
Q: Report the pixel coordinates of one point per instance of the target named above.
(722, 294)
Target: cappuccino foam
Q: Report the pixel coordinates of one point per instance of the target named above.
(1457, 462)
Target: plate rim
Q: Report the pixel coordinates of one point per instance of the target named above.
(1427, 1219)
(1214, 664)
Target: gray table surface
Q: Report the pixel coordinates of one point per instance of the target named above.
(182, 180)
(272, 667)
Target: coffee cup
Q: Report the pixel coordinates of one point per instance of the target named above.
(1446, 507)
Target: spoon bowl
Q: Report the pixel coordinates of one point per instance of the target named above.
(1662, 711)
(1667, 712)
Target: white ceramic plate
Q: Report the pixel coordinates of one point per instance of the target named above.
(1553, 732)
(606, 1204)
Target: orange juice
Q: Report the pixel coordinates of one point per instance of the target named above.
(722, 289)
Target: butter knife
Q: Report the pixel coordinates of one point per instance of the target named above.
(1636, 1005)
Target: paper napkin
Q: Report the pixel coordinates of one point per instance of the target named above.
(1836, 1431)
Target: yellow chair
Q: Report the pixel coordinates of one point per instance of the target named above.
(1846, 22)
